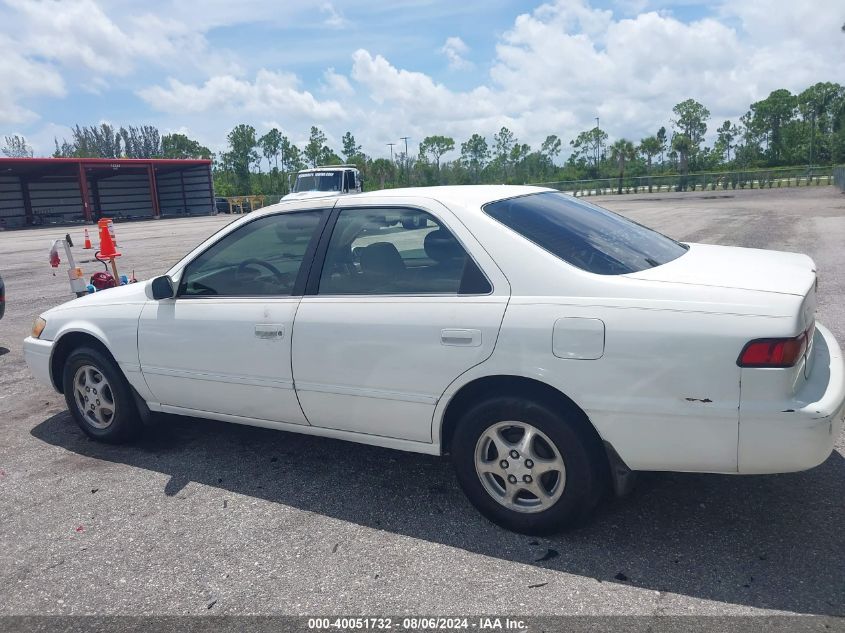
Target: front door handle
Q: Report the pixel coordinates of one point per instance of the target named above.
(270, 331)
(463, 338)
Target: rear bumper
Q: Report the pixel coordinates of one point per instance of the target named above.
(37, 354)
(799, 433)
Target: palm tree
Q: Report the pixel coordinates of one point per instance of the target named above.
(650, 147)
(681, 143)
(621, 152)
(382, 169)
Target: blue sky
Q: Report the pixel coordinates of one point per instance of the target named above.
(411, 68)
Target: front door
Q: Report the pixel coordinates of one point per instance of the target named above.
(400, 309)
(223, 345)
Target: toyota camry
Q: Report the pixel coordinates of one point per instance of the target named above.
(550, 347)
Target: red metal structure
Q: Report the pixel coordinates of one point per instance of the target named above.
(44, 190)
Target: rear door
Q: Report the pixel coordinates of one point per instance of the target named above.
(400, 302)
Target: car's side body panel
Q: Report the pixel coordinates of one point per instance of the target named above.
(667, 369)
(378, 364)
(657, 378)
(651, 357)
(111, 317)
(228, 356)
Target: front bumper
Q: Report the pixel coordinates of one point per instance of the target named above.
(37, 354)
(799, 433)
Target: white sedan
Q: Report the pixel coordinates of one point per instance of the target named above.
(550, 346)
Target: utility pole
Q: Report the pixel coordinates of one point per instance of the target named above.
(407, 179)
(391, 151)
(598, 145)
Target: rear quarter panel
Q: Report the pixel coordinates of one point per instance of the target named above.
(665, 392)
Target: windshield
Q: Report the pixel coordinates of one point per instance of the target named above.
(585, 235)
(318, 181)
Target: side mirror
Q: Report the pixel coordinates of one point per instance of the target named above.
(162, 288)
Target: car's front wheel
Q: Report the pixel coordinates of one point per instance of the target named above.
(98, 396)
(525, 466)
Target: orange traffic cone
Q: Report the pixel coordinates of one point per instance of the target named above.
(87, 246)
(107, 249)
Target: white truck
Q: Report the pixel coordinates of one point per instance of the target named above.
(331, 180)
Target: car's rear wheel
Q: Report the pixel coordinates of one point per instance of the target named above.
(98, 396)
(525, 466)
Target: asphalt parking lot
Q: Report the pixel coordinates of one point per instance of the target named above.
(202, 517)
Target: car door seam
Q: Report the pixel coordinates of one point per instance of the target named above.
(138, 348)
(478, 364)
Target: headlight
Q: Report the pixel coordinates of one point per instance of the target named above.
(38, 327)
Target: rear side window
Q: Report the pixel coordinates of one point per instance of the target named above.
(397, 251)
(584, 235)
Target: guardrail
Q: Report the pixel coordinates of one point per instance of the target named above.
(711, 181)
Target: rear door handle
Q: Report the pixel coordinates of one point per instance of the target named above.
(463, 338)
(270, 331)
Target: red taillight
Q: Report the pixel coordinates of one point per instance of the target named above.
(775, 352)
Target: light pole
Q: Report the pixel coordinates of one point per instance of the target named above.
(405, 138)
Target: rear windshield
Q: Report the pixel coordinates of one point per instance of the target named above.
(589, 237)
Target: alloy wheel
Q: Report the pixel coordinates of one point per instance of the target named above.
(94, 396)
(520, 467)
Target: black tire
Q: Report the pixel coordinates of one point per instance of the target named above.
(124, 422)
(585, 466)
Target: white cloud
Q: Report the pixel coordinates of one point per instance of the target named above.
(569, 58)
(21, 78)
(78, 34)
(417, 92)
(270, 93)
(43, 42)
(334, 18)
(555, 68)
(336, 83)
(455, 50)
(563, 64)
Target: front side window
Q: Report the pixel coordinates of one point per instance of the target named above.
(261, 258)
(384, 251)
(585, 235)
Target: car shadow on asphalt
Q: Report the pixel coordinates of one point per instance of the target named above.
(771, 542)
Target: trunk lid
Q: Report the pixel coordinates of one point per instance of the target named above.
(739, 268)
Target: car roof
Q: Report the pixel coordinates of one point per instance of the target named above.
(460, 195)
(454, 196)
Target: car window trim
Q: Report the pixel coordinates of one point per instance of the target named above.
(304, 267)
(313, 284)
